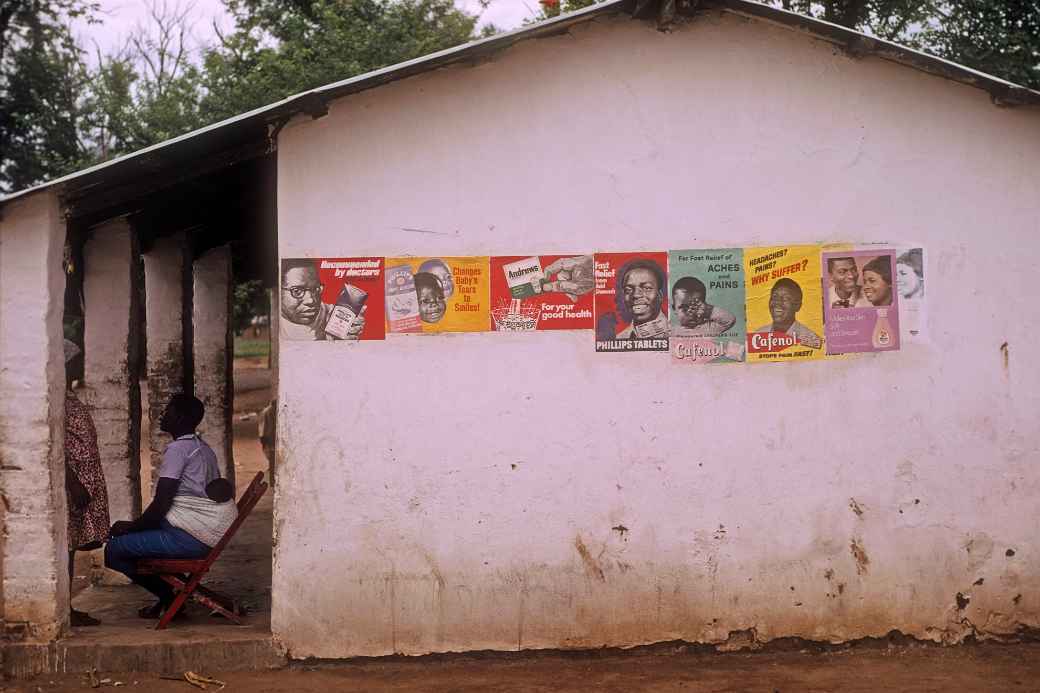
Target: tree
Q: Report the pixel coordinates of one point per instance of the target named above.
(1001, 38)
(169, 88)
(42, 81)
(146, 92)
(249, 299)
(554, 8)
(893, 20)
(283, 47)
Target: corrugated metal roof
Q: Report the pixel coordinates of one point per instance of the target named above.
(248, 129)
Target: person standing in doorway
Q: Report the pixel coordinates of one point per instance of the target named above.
(84, 485)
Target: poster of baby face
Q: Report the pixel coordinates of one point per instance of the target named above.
(327, 299)
(631, 301)
(437, 294)
(541, 292)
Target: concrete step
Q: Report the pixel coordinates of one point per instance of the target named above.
(172, 652)
(125, 643)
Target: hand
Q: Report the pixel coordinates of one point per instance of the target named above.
(120, 528)
(574, 276)
(354, 332)
(79, 496)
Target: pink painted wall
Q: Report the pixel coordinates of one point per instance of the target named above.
(461, 492)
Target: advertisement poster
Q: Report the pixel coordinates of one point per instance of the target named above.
(861, 310)
(542, 292)
(784, 303)
(910, 286)
(631, 302)
(707, 315)
(437, 294)
(331, 299)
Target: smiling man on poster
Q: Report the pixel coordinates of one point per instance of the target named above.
(785, 300)
(641, 293)
(631, 302)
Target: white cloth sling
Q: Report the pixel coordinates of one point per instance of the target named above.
(202, 518)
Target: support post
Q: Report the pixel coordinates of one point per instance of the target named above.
(167, 273)
(110, 336)
(34, 556)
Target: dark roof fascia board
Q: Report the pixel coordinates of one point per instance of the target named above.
(314, 101)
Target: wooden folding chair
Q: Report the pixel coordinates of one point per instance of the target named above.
(172, 570)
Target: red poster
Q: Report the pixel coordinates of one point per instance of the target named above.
(332, 299)
(541, 292)
(631, 301)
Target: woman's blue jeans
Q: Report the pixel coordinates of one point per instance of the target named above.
(123, 552)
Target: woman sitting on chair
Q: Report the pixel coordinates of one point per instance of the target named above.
(183, 520)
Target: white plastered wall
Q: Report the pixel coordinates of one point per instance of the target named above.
(112, 390)
(464, 492)
(32, 408)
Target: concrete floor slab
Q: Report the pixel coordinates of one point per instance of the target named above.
(127, 643)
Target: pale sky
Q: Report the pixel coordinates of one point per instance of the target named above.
(119, 17)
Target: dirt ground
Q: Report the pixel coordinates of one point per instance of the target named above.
(915, 669)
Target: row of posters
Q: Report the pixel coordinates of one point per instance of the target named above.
(714, 305)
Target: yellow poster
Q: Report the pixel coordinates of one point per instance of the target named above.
(784, 303)
(438, 294)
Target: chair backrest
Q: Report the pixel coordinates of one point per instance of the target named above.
(250, 497)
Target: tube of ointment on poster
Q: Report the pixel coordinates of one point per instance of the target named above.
(349, 305)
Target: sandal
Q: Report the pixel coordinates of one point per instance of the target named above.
(81, 619)
(154, 611)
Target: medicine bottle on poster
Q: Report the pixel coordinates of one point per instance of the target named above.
(349, 306)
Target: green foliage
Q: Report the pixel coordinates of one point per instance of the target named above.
(283, 47)
(41, 79)
(1001, 38)
(57, 114)
(248, 299)
(554, 8)
(894, 20)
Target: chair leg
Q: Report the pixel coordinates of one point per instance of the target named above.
(183, 592)
(211, 600)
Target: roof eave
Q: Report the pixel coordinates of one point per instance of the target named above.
(315, 101)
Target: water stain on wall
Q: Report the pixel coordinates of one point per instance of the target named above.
(592, 566)
(860, 556)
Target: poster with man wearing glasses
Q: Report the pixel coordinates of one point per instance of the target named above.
(331, 299)
(707, 317)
